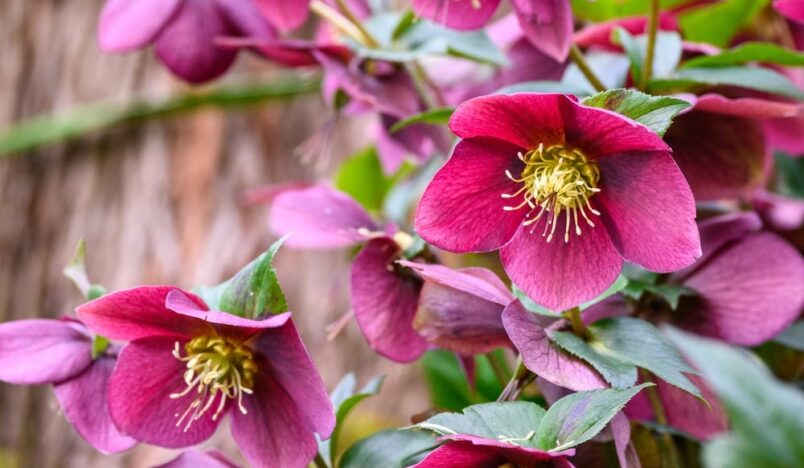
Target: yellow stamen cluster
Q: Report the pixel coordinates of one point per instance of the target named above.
(217, 368)
(555, 180)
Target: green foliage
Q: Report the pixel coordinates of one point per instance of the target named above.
(393, 448)
(790, 175)
(253, 292)
(619, 284)
(655, 112)
(669, 292)
(362, 177)
(760, 79)
(616, 372)
(446, 380)
(76, 271)
(763, 52)
(438, 116)
(601, 10)
(718, 23)
(793, 337)
(666, 55)
(611, 69)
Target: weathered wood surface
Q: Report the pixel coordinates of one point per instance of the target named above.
(156, 203)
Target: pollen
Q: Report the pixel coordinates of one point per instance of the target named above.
(556, 180)
(218, 369)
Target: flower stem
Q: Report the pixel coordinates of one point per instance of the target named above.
(574, 317)
(319, 462)
(423, 85)
(577, 56)
(653, 26)
(342, 23)
(669, 447)
(522, 378)
(350, 15)
(500, 369)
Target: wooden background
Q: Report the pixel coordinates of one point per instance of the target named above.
(156, 203)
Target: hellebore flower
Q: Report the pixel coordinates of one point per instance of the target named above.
(183, 32)
(197, 459)
(567, 192)
(469, 451)
(547, 24)
(401, 307)
(59, 352)
(185, 367)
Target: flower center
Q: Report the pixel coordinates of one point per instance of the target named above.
(217, 368)
(555, 180)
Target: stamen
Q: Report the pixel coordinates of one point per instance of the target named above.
(217, 368)
(557, 180)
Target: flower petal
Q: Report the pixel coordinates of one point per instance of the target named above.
(462, 453)
(752, 108)
(246, 19)
(785, 135)
(197, 459)
(283, 14)
(547, 24)
(792, 9)
(130, 24)
(541, 356)
(39, 351)
(560, 275)
(84, 402)
(479, 282)
(140, 312)
(187, 44)
(525, 119)
(271, 434)
(599, 34)
(292, 368)
(461, 15)
(648, 209)
(749, 291)
(139, 396)
(462, 209)
(385, 301)
(319, 217)
(717, 231)
(779, 212)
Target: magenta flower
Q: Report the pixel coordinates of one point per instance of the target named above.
(469, 451)
(185, 367)
(59, 352)
(600, 34)
(184, 32)
(567, 192)
(197, 459)
(792, 9)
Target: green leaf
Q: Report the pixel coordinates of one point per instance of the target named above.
(793, 336)
(544, 87)
(578, 417)
(639, 343)
(530, 304)
(393, 448)
(764, 52)
(362, 177)
(619, 284)
(438, 116)
(669, 292)
(761, 79)
(79, 121)
(666, 55)
(253, 292)
(616, 372)
(790, 175)
(655, 112)
(765, 414)
(447, 383)
(718, 23)
(512, 421)
(601, 10)
(344, 399)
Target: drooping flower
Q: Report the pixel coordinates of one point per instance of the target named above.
(469, 451)
(59, 352)
(186, 367)
(184, 32)
(566, 191)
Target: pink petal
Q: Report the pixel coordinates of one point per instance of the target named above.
(541, 356)
(292, 368)
(721, 156)
(139, 396)
(749, 291)
(524, 120)
(472, 450)
(196, 459)
(319, 217)
(140, 312)
(560, 275)
(599, 34)
(246, 19)
(385, 302)
(547, 24)
(462, 209)
(785, 135)
(648, 209)
(779, 212)
(718, 231)
(130, 24)
(463, 454)
(479, 282)
(748, 107)
(271, 433)
(285, 15)
(621, 432)
(39, 351)
(792, 9)
(187, 44)
(462, 15)
(83, 400)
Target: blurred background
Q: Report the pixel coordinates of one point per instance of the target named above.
(160, 200)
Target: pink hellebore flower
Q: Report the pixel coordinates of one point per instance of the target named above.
(184, 32)
(546, 23)
(59, 352)
(567, 192)
(185, 367)
(469, 451)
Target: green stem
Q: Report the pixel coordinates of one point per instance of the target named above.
(577, 56)
(350, 15)
(342, 23)
(653, 26)
(522, 378)
(319, 462)
(671, 452)
(574, 317)
(499, 369)
(423, 85)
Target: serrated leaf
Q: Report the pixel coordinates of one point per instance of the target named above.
(764, 52)
(718, 23)
(393, 448)
(671, 293)
(513, 421)
(655, 112)
(578, 417)
(253, 292)
(666, 55)
(438, 116)
(639, 343)
(761, 79)
(619, 374)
